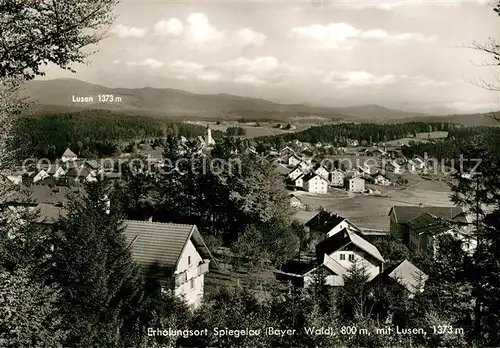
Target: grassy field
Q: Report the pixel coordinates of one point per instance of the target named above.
(253, 131)
(371, 211)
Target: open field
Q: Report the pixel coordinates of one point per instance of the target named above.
(371, 211)
(253, 131)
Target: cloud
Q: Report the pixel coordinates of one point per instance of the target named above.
(123, 32)
(359, 79)
(470, 107)
(171, 27)
(268, 70)
(425, 81)
(249, 80)
(116, 61)
(400, 4)
(201, 31)
(345, 36)
(198, 33)
(249, 37)
(148, 62)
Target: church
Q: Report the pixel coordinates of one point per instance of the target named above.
(207, 141)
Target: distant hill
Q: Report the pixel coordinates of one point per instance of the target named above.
(56, 96)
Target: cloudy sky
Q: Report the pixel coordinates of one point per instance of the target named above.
(409, 54)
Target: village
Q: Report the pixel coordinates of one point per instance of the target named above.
(338, 238)
(249, 174)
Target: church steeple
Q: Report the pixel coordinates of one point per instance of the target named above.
(208, 139)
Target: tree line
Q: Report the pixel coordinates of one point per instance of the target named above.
(90, 133)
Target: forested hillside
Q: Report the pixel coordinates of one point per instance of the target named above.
(91, 133)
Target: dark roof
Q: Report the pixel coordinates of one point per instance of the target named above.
(112, 175)
(317, 166)
(78, 172)
(50, 213)
(406, 213)
(161, 244)
(311, 175)
(343, 239)
(429, 223)
(40, 194)
(282, 169)
(324, 221)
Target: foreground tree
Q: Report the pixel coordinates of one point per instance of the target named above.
(29, 315)
(35, 33)
(99, 280)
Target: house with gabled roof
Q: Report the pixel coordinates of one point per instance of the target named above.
(426, 228)
(399, 216)
(319, 169)
(325, 224)
(315, 183)
(354, 184)
(394, 167)
(68, 156)
(293, 160)
(337, 177)
(304, 275)
(295, 173)
(405, 274)
(419, 163)
(172, 255)
(42, 174)
(381, 179)
(348, 247)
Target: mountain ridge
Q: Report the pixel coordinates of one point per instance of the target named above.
(175, 103)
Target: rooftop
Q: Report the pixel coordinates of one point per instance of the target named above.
(324, 221)
(161, 244)
(408, 275)
(404, 214)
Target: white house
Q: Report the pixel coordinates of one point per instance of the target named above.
(56, 171)
(337, 178)
(394, 167)
(348, 247)
(293, 160)
(295, 173)
(320, 170)
(175, 255)
(42, 174)
(419, 163)
(68, 156)
(381, 179)
(355, 184)
(298, 182)
(333, 273)
(315, 183)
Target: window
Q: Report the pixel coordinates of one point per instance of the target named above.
(351, 257)
(342, 256)
(192, 283)
(189, 260)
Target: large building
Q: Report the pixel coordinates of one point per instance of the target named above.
(355, 184)
(399, 216)
(315, 183)
(173, 255)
